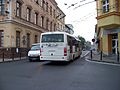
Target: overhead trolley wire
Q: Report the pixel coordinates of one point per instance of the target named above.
(75, 3)
(84, 4)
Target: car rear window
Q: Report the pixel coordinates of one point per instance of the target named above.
(35, 47)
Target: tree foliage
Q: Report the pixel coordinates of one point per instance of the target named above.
(83, 41)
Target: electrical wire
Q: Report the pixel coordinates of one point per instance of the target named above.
(75, 3)
(84, 18)
(83, 4)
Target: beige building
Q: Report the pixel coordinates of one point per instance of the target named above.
(108, 26)
(23, 21)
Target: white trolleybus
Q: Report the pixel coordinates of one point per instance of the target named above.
(59, 46)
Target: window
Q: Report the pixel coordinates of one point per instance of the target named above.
(47, 21)
(42, 4)
(42, 21)
(2, 7)
(37, 1)
(1, 38)
(17, 39)
(54, 13)
(36, 18)
(54, 27)
(28, 40)
(34, 48)
(46, 7)
(51, 26)
(69, 42)
(58, 26)
(105, 6)
(51, 10)
(28, 14)
(18, 9)
(36, 38)
(53, 38)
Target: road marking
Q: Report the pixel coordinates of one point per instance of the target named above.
(113, 64)
(85, 54)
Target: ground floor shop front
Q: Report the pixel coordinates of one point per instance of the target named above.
(109, 41)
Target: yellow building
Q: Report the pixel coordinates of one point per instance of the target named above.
(22, 21)
(108, 25)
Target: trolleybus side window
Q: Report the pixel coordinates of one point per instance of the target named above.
(69, 41)
(53, 38)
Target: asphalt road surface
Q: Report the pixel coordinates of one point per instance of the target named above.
(77, 75)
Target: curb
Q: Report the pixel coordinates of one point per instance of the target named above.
(103, 62)
(11, 60)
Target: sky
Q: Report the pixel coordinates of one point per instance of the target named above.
(82, 16)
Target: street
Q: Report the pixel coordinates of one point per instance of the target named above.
(77, 75)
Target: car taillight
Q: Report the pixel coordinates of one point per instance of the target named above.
(65, 51)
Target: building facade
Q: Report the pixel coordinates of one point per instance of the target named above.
(108, 26)
(23, 21)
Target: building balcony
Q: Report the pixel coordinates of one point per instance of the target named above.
(109, 20)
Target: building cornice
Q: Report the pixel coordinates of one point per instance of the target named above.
(17, 22)
(108, 14)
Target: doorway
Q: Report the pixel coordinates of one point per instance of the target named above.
(114, 43)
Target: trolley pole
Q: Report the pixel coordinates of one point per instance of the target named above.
(101, 55)
(91, 54)
(118, 56)
(3, 56)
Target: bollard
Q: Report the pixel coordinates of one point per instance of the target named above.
(20, 55)
(3, 56)
(91, 54)
(101, 55)
(13, 56)
(118, 56)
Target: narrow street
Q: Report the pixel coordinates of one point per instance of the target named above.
(77, 75)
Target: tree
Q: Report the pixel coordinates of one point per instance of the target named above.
(83, 41)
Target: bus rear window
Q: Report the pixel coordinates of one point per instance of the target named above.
(52, 38)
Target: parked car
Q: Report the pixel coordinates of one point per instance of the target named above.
(34, 53)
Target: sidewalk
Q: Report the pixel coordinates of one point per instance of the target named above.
(10, 60)
(100, 57)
